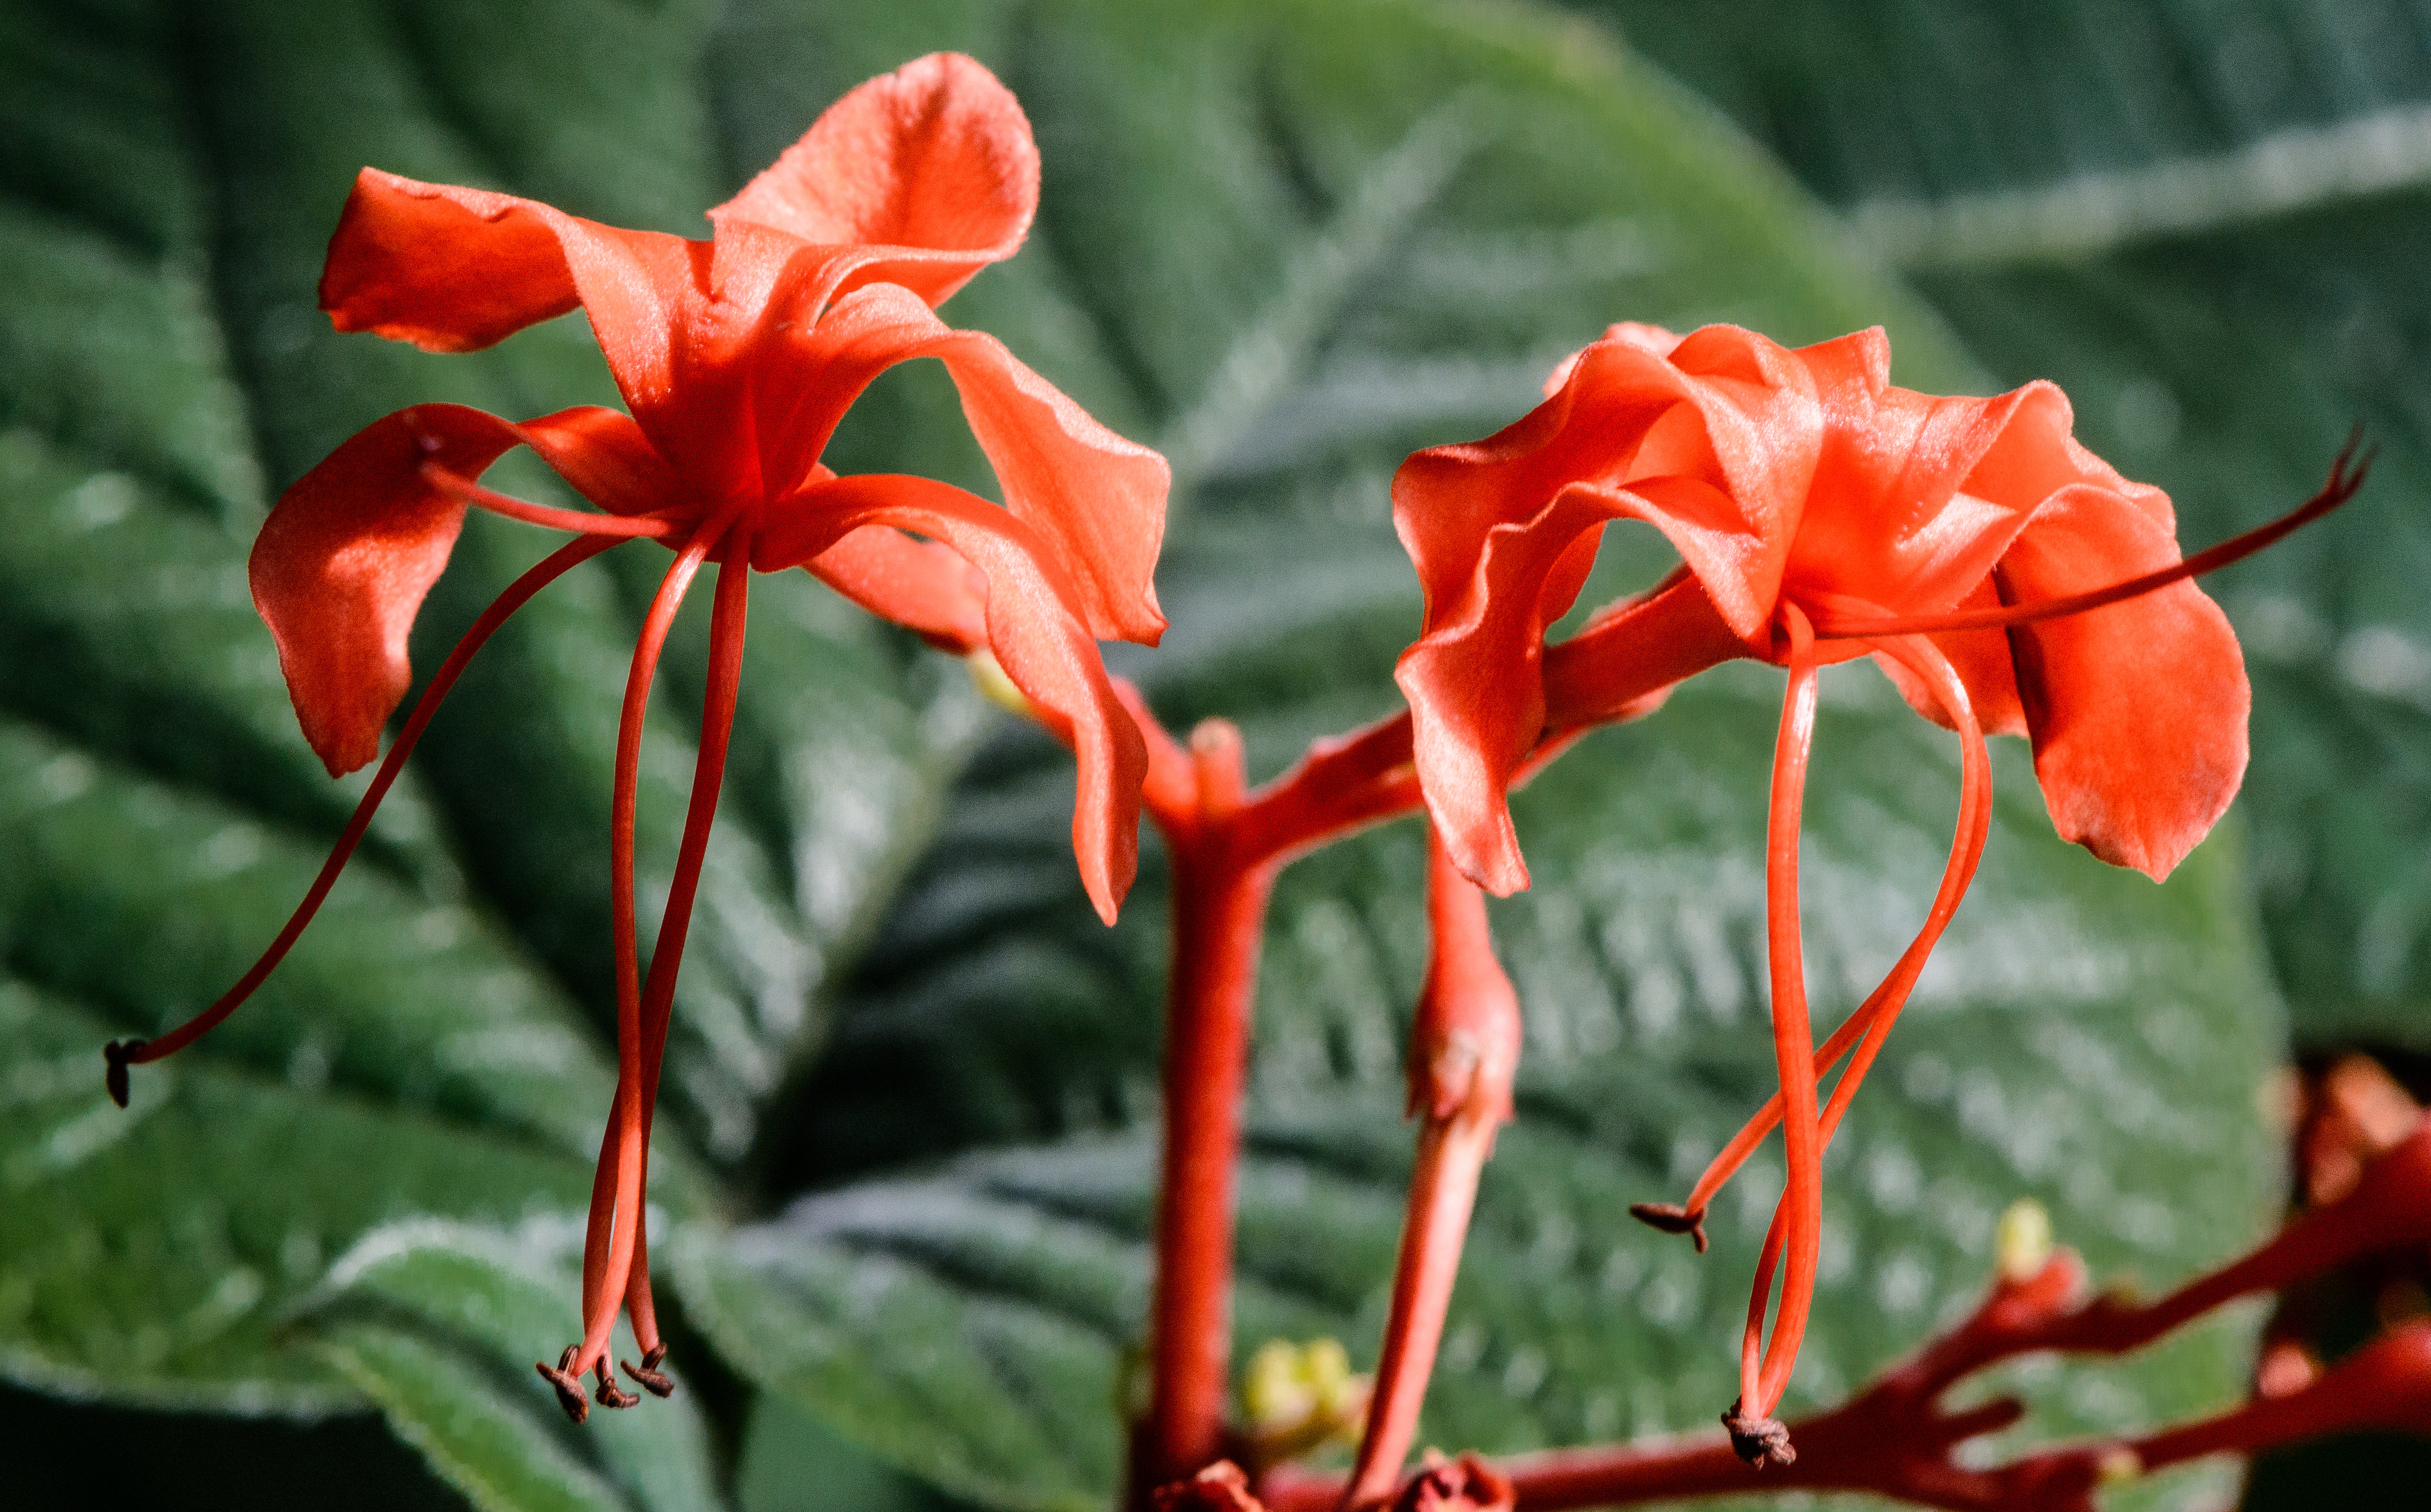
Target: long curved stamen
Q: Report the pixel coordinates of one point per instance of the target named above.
(2346, 478)
(728, 615)
(1752, 1400)
(1872, 1022)
(1925, 660)
(608, 1253)
(582, 522)
(122, 1054)
(1792, 1037)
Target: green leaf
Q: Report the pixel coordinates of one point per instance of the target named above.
(790, 1462)
(2210, 232)
(436, 1324)
(1301, 241)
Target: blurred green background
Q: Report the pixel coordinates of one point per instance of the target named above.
(904, 1182)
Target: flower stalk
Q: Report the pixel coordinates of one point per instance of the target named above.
(1218, 913)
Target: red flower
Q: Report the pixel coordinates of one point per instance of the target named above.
(1820, 513)
(736, 356)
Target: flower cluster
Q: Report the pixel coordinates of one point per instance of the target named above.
(2007, 579)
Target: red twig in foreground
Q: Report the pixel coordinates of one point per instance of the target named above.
(1896, 1439)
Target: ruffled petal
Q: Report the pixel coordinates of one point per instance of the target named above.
(1892, 520)
(931, 169)
(1983, 662)
(1654, 339)
(918, 585)
(1096, 500)
(342, 563)
(2037, 456)
(1476, 690)
(1035, 626)
(454, 270)
(2138, 710)
(603, 454)
(1715, 442)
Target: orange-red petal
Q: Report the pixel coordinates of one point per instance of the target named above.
(931, 168)
(1475, 683)
(342, 563)
(920, 584)
(2138, 710)
(1035, 628)
(454, 270)
(1096, 500)
(1985, 666)
(1914, 497)
(1711, 439)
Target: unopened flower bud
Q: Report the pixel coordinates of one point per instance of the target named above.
(1298, 1397)
(987, 675)
(2022, 1245)
(2119, 1465)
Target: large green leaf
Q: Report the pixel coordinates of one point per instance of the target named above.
(437, 1323)
(2209, 226)
(1297, 241)
(1284, 240)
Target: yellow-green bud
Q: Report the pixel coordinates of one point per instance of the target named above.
(2021, 1246)
(987, 675)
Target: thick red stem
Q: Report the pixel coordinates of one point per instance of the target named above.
(1220, 905)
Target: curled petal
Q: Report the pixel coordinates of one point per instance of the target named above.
(455, 270)
(1983, 662)
(1654, 339)
(1034, 627)
(1712, 439)
(1716, 442)
(931, 168)
(1476, 688)
(2137, 710)
(1896, 516)
(918, 585)
(1096, 500)
(342, 563)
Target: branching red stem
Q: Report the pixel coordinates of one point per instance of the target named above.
(1895, 1439)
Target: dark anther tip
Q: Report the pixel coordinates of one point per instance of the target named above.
(568, 1387)
(1671, 1218)
(115, 1055)
(1763, 1442)
(613, 1395)
(649, 1374)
